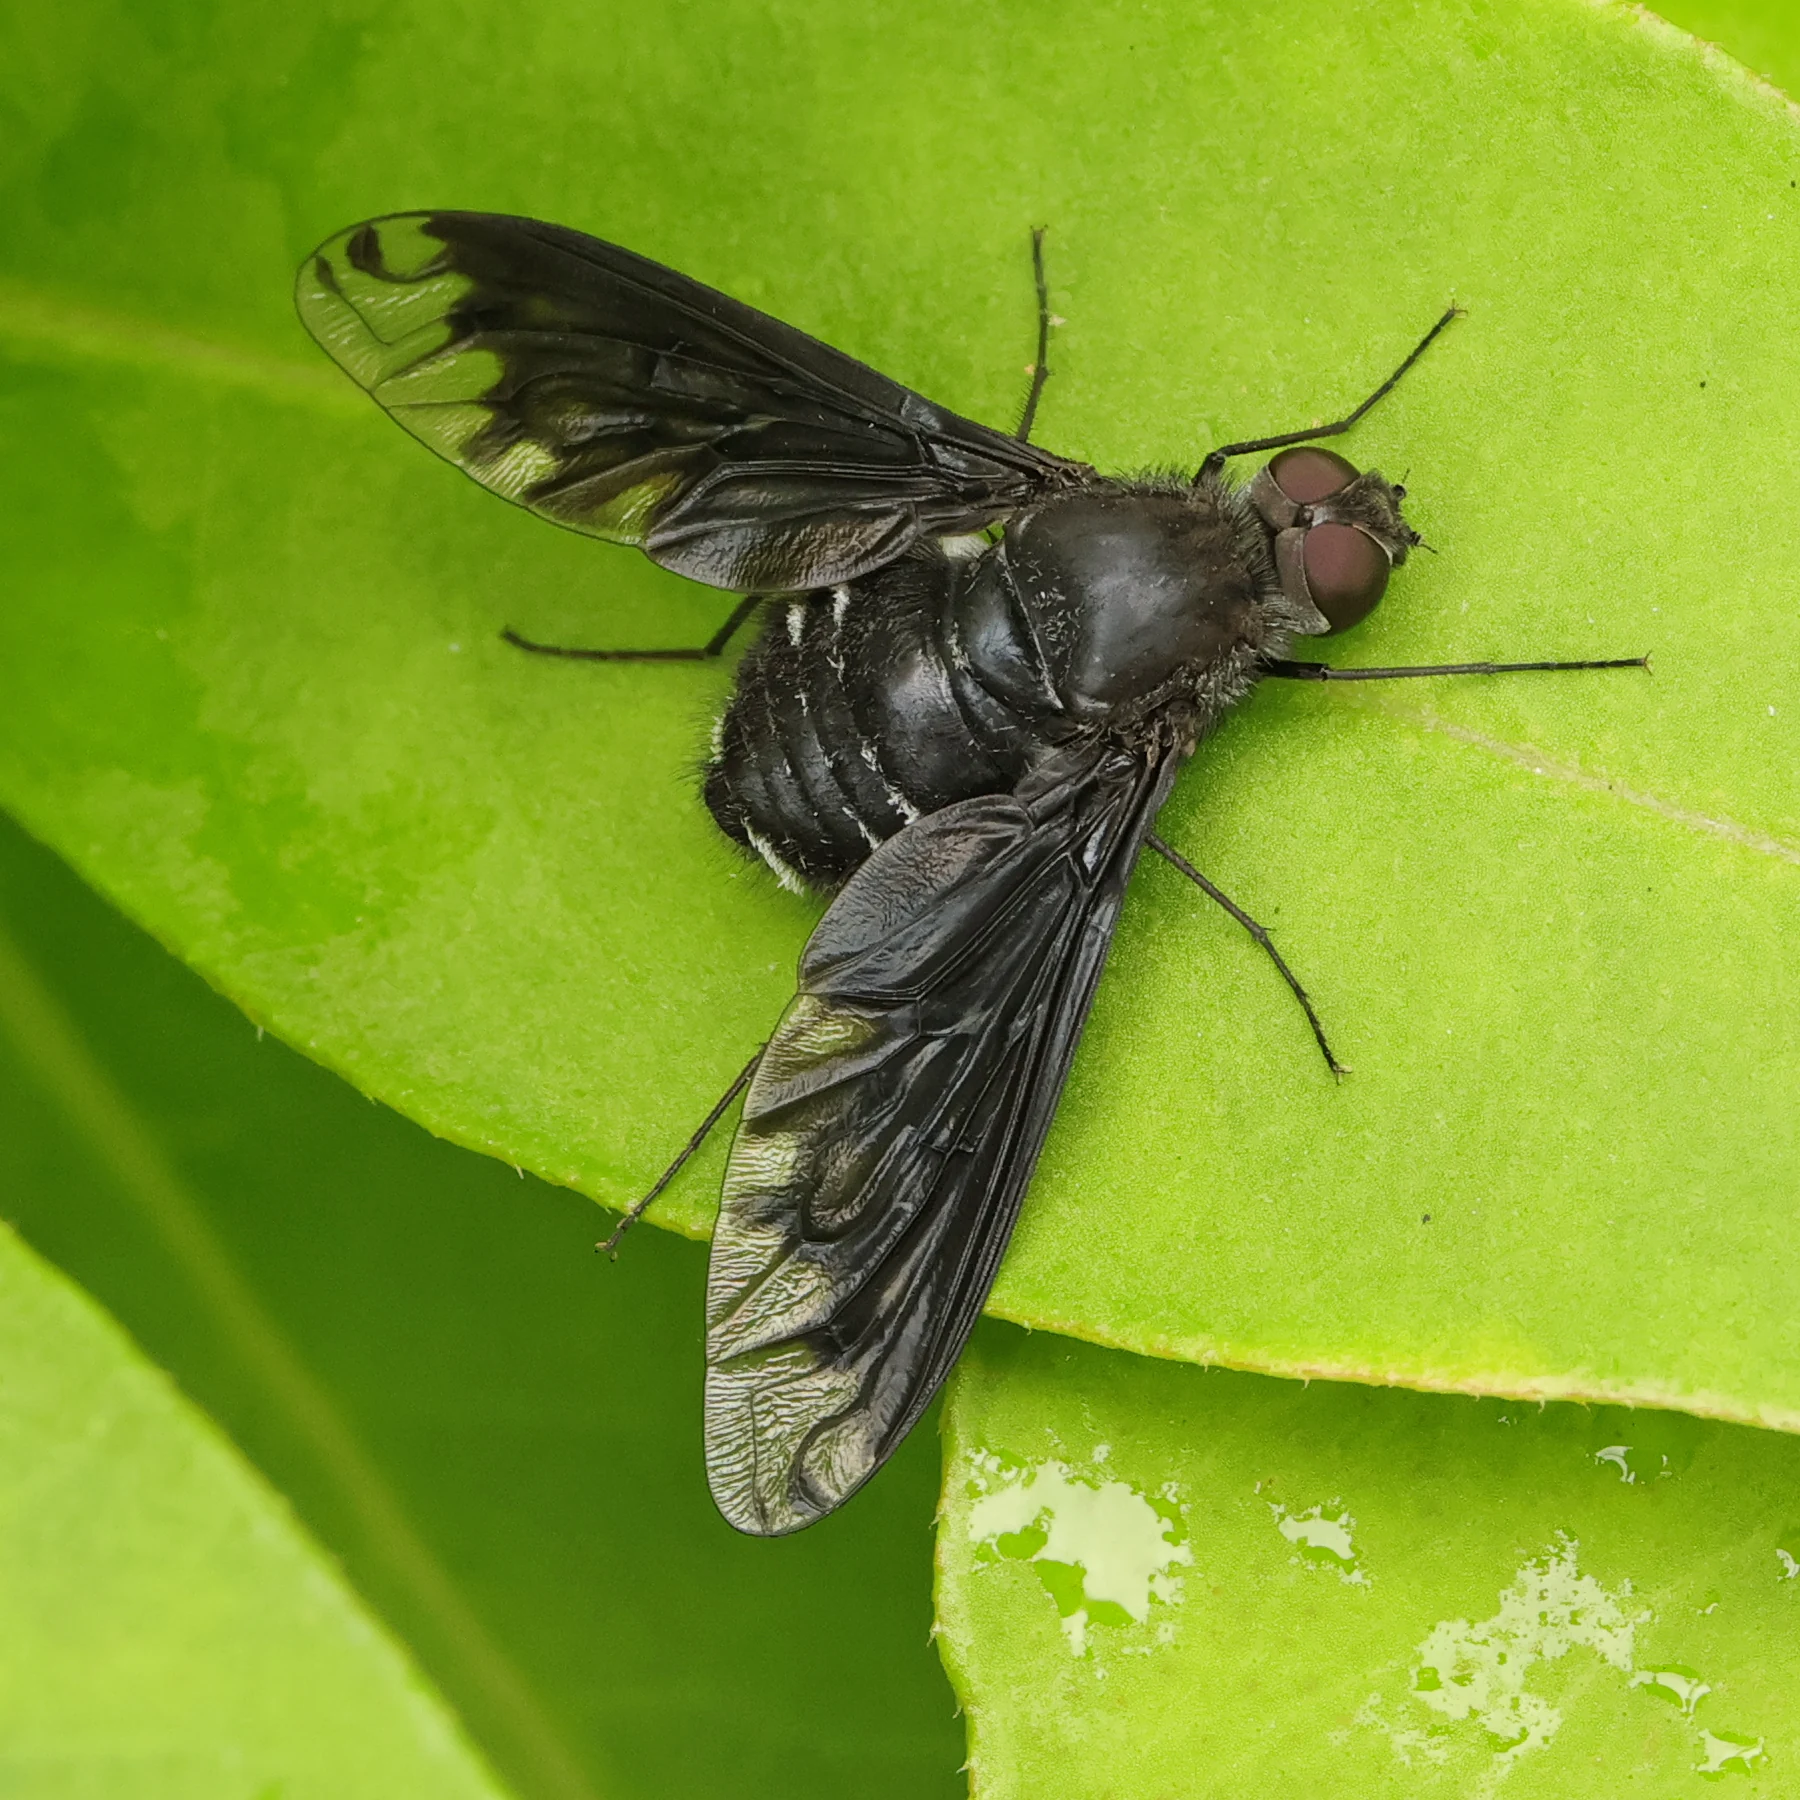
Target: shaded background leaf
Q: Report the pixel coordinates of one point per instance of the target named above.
(167, 1629)
(496, 1431)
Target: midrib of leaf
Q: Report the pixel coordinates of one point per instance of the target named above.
(1539, 762)
(1551, 769)
(50, 1044)
(30, 317)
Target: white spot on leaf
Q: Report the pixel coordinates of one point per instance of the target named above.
(1619, 1456)
(1728, 1754)
(1323, 1540)
(1682, 1685)
(1481, 1671)
(1104, 1551)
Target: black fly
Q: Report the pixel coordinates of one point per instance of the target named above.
(982, 667)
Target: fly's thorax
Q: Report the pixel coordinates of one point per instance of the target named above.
(1099, 603)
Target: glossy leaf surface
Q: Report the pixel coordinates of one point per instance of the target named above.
(253, 685)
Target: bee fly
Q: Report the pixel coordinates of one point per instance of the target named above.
(981, 668)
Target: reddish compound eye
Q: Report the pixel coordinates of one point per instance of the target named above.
(1308, 474)
(1347, 572)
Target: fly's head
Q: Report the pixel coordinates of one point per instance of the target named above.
(1337, 533)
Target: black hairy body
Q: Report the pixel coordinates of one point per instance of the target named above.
(949, 673)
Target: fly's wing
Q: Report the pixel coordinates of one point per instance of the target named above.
(611, 395)
(893, 1124)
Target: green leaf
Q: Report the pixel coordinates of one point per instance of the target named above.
(164, 1627)
(492, 1430)
(1761, 34)
(1166, 1580)
(254, 688)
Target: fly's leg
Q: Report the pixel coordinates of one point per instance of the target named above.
(1311, 671)
(1176, 860)
(1215, 459)
(687, 1151)
(1040, 370)
(711, 648)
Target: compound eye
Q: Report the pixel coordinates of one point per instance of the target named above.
(1308, 474)
(1347, 572)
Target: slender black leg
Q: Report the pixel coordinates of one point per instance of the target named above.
(706, 652)
(1040, 370)
(1311, 671)
(1260, 933)
(1215, 459)
(611, 1246)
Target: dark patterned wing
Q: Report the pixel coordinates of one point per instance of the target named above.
(613, 396)
(894, 1122)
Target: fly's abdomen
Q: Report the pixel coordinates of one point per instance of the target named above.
(854, 714)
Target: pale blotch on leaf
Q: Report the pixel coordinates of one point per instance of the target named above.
(1481, 1673)
(1323, 1540)
(1787, 1553)
(1618, 1455)
(1634, 1466)
(1725, 1753)
(1104, 1552)
(1677, 1682)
